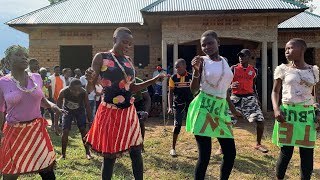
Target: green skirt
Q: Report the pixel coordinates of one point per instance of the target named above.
(208, 116)
(298, 130)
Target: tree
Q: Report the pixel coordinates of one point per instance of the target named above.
(308, 2)
(304, 1)
(54, 1)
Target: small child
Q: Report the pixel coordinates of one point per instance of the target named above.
(74, 99)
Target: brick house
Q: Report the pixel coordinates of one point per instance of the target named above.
(69, 33)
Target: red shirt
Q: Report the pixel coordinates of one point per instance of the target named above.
(245, 77)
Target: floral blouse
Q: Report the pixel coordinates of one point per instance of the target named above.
(297, 84)
(116, 88)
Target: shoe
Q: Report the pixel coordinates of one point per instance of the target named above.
(261, 148)
(89, 157)
(173, 153)
(61, 158)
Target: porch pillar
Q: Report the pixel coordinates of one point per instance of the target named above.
(274, 55)
(175, 54)
(264, 65)
(164, 82)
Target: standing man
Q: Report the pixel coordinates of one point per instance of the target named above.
(57, 83)
(244, 94)
(33, 66)
(67, 72)
(180, 97)
(47, 91)
(77, 73)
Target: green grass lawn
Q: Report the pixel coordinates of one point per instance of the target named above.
(158, 164)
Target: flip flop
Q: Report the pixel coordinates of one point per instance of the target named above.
(261, 148)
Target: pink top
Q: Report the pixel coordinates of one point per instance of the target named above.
(20, 106)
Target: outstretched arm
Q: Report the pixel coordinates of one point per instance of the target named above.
(135, 87)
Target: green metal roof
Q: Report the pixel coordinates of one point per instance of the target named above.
(86, 12)
(304, 20)
(221, 5)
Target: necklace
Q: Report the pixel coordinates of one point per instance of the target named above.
(220, 78)
(123, 71)
(24, 89)
(302, 80)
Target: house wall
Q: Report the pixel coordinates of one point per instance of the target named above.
(45, 44)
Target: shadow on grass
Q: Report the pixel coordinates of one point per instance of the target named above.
(121, 171)
(179, 166)
(250, 165)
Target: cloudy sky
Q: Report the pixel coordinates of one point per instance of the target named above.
(10, 9)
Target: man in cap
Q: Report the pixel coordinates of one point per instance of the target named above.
(244, 94)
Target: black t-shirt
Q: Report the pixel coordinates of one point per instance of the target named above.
(74, 103)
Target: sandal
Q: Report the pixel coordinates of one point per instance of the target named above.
(261, 148)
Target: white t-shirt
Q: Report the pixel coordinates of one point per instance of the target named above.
(83, 80)
(212, 70)
(297, 83)
(92, 96)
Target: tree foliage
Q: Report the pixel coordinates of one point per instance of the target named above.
(54, 1)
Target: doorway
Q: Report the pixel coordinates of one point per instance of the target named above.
(76, 57)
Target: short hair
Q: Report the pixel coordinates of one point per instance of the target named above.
(181, 61)
(55, 67)
(33, 60)
(210, 33)
(64, 70)
(42, 69)
(77, 69)
(121, 30)
(300, 42)
(75, 82)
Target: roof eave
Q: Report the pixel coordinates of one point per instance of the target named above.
(222, 11)
(299, 29)
(74, 24)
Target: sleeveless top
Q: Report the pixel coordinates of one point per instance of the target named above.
(116, 89)
(245, 77)
(74, 103)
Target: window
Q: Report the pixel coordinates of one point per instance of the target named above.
(141, 56)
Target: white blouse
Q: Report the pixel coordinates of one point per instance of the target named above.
(297, 84)
(212, 70)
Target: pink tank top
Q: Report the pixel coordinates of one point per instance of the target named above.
(20, 106)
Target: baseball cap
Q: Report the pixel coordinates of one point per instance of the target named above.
(245, 52)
